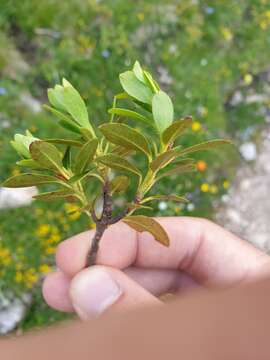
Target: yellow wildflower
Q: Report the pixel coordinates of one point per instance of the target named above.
(213, 189)
(226, 33)
(263, 24)
(18, 277)
(248, 78)
(5, 256)
(6, 261)
(205, 187)
(45, 269)
(196, 126)
(4, 252)
(226, 184)
(75, 216)
(50, 250)
(55, 238)
(73, 211)
(267, 14)
(43, 230)
(30, 278)
(71, 207)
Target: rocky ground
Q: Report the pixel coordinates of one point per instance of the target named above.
(246, 208)
(12, 308)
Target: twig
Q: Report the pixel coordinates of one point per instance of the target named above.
(92, 254)
(103, 222)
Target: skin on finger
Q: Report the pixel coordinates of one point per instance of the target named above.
(157, 282)
(55, 291)
(101, 289)
(118, 239)
(207, 252)
(162, 281)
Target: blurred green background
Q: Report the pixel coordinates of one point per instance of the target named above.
(200, 51)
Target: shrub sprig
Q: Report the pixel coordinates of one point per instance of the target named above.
(106, 154)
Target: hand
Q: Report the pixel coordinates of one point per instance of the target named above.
(133, 269)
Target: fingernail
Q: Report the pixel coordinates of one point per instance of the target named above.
(92, 292)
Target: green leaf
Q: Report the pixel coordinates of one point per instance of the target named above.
(138, 72)
(132, 207)
(85, 175)
(118, 163)
(75, 105)
(55, 97)
(175, 198)
(85, 155)
(119, 184)
(163, 159)
(175, 130)
(87, 134)
(135, 88)
(131, 114)
(122, 96)
(142, 223)
(64, 142)
(65, 120)
(121, 151)
(203, 146)
(26, 180)
(69, 126)
(21, 144)
(163, 112)
(146, 107)
(54, 195)
(28, 163)
(46, 155)
(187, 161)
(177, 170)
(167, 157)
(124, 135)
(20, 149)
(67, 158)
(151, 82)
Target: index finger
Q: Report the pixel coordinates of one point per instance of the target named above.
(207, 252)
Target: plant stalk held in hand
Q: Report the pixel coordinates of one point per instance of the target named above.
(104, 158)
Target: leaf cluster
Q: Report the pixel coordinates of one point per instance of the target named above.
(141, 120)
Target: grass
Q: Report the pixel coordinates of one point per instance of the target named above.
(201, 51)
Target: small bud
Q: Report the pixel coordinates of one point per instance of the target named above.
(21, 144)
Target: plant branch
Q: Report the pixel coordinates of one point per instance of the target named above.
(103, 222)
(92, 254)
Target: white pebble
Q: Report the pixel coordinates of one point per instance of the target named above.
(12, 198)
(162, 205)
(248, 151)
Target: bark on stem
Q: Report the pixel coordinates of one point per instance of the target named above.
(92, 254)
(102, 223)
